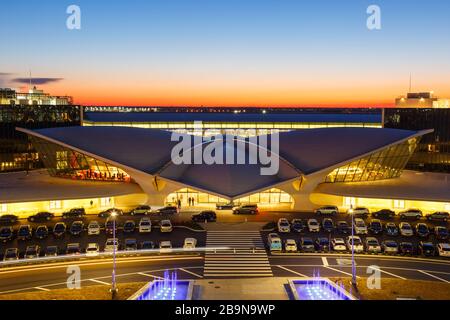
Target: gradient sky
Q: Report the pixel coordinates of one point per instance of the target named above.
(228, 52)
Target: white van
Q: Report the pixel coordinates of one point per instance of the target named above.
(274, 242)
(190, 243)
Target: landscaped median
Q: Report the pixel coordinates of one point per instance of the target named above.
(390, 289)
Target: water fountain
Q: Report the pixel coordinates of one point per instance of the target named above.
(318, 288)
(167, 288)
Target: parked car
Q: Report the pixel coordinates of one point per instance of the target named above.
(165, 247)
(6, 234)
(283, 225)
(92, 249)
(225, 206)
(59, 229)
(73, 249)
(439, 216)
(147, 245)
(375, 226)
(11, 254)
(41, 232)
(93, 228)
(290, 245)
(360, 226)
(274, 242)
(32, 252)
(359, 212)
(406, 248)
(390, 247)
(76, 229)
(343, 227)
(306, 244)
(209, 216)
(131, 244)
(110, 245)
(313, 225)
(328, 225)
(51, 251)
(322, 244)
(165, 226)
(167, 210)
(74, 213)
(372, 245)
(441, 233)
(426, 249)
(41, 216)
(107, 213)
(25, 232)
(411, 213)
(327, 210)
(298, 225)
(443, 250)
(111, 226)
(422, 230)
(356, 242)
(246, 209)
(189, 243)
(338, 244)
(8, 218)
(140, 211)
(129, 226)
(405, 229)
(383, 214)
(145, 225)
(391, 229)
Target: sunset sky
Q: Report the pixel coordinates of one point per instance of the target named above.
(227, 52)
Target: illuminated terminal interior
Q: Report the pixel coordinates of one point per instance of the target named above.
(272, 198)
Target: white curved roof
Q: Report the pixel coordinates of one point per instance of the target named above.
(300, 152)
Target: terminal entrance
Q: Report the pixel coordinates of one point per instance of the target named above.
(271, 199)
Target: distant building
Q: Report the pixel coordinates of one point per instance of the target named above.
(421, 100)
(32, 110)
(421, 111)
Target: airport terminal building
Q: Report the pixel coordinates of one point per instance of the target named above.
(104, 166)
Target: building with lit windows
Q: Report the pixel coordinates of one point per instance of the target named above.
(329, 166)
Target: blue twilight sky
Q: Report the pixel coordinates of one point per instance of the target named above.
(230, 52)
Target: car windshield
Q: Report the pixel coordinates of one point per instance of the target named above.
(59, 227)
(313, 222)
(372, 242)
(5, 231)
(51, 250)
(323, 241)
(391, 244)
(406, 245)
(355, 241)
(422, 227)
(360, 223)
(307, 241)
(428, 246)
(41, 230)
(406, 227)
(11, 253)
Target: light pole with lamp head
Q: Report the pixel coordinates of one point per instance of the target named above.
(350, 211)
(113, 279)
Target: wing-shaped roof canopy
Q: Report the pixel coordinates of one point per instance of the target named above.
(300, 152)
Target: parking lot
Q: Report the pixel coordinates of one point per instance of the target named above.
(176, 237)
(381, 237)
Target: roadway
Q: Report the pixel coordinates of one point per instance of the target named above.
(147, 268)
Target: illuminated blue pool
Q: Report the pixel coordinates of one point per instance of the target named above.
(318, 289)
(168, 288)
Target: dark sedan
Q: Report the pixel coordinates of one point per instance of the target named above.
(209, 216)
(383, 214)
(167, 210)
(76, 229)
(8, 218)
(41, 232)
(41, 216)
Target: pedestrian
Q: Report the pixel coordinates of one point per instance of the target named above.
(179, 204)
(192, 201)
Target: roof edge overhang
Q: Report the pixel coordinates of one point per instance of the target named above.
(330, 168)
(109, 161)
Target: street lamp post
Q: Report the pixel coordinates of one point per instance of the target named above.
(354, 283)
(113, 279)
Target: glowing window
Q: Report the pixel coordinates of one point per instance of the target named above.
(55, 204)
(3, 207)
(349, 202)
(399, 204)
(105, 202)
(447, 207)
